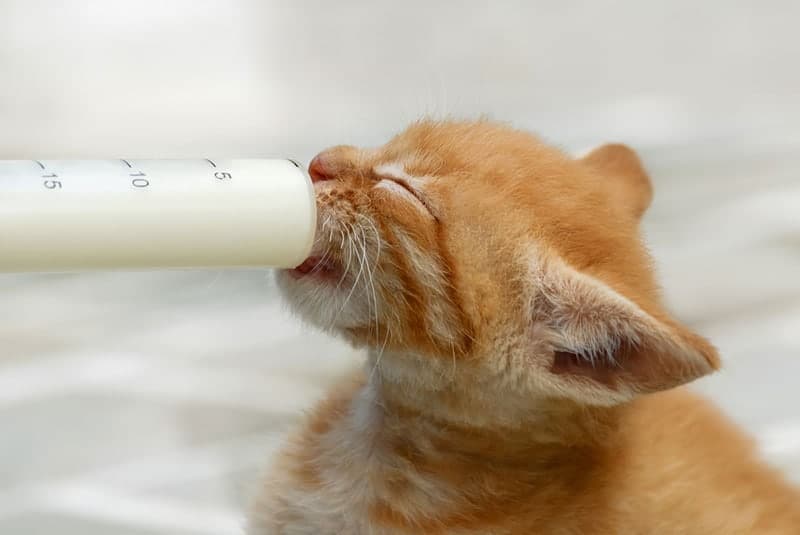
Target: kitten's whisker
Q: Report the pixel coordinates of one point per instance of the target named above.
(453, 352)
(377, 236)
(368, 282)
(325, 223)
(372, 271)
(320, 263)
(371, 280)
(346, 242)
(358, 278)
(380, 354)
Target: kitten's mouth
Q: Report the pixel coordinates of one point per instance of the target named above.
(319, 267)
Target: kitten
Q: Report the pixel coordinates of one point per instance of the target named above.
(522, 369)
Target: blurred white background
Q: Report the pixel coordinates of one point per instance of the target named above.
(145, 403)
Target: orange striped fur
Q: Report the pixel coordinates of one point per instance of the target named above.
(523, 375)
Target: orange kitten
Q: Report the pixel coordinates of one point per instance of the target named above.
(522, 369)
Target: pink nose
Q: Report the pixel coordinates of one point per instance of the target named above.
(317, 170)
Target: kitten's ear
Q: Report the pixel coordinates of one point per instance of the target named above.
(605, 349)
(626, 176)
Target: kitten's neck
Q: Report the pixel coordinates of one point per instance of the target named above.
(469, 409)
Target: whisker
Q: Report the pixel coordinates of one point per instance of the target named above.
(371, 281)
(380, 354)
(320, 264)
(356, 281)
(453, 351)
(377, 236)
(346, 242)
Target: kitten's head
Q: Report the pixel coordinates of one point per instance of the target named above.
(475, 246)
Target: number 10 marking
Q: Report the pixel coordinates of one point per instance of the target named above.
(139, 182)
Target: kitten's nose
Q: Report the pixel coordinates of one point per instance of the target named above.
(317, 170)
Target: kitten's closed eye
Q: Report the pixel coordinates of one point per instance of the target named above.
(399, 187)
(402, 188)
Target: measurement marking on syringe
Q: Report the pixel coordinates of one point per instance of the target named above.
(126, 162)
(212, 163)
(40, 164)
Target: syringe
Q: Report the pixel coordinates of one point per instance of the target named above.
(71, 215)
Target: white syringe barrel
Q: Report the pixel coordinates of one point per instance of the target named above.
(148, 214)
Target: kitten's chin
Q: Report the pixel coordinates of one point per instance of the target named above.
(321, 300)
